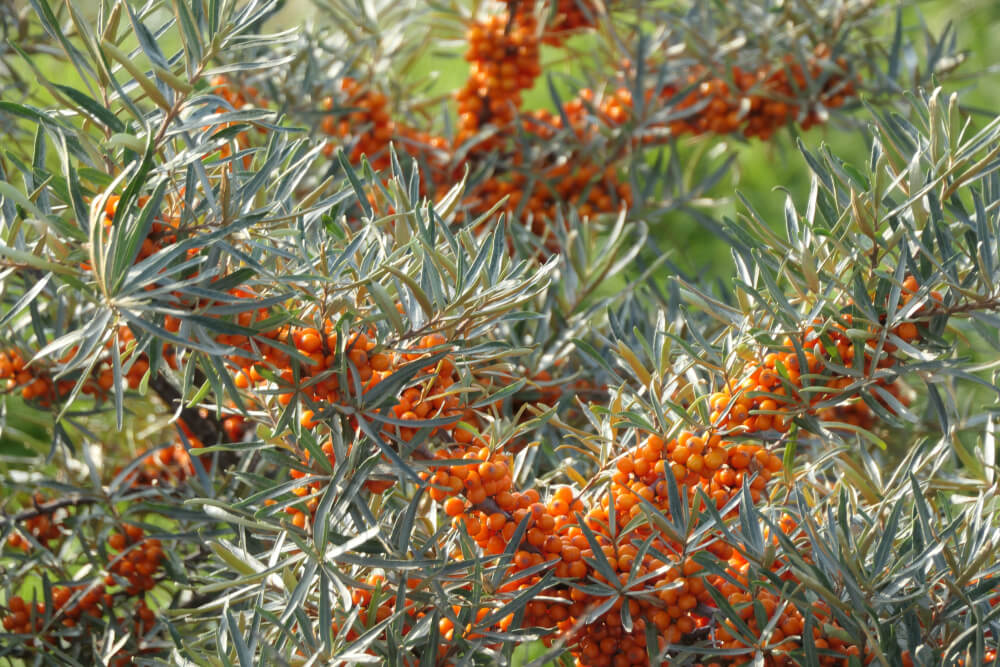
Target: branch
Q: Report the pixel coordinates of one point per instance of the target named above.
(205, 428)
(50, 507)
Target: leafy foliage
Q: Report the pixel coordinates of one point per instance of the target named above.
(308, 372)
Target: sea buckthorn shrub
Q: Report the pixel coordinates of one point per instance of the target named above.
(299, 367)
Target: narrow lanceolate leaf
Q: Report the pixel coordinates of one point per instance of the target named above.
(28, 297)
(887, 540)
(235, 633)
(147, 84)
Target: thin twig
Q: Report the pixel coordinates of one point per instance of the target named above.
(49, 507)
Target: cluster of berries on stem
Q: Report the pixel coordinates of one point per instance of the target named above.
(503, 52)
(605, 554)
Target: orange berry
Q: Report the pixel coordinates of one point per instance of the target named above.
(454, 506)
(310, 341)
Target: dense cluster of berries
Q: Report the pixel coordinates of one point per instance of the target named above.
(70, 605)
(773, 391)
(361, 118)
(171, 465)
(29, 619)
(503, 53)
(368, 127)
(756, 103)
(564, 17)
(34, 383)
(137, 561)
(759, 104)
(604, 555)
(44, 527)
(784, 622)
(431, 394)
(480, 499)
(238, 96)
(536, 197)
(132, 565)
(328, 379)
(504, 60)
(23, 618)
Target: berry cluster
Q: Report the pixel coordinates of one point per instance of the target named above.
(326, 377)
(33, 383)
(37, 385)
(537, 197)
(137, 561)
(43, 527)
(757, 103)
(70, 606)
(29, 619)
(171, 465)
(361, 118)
(22, 618)
(605, 555)
(565, 17)
(131, 570)
(334, 374)
(481, 500)
(237, 96)
(504, 62)
(368, 127)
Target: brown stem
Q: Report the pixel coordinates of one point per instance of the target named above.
(962, 308)
(50, 507)
(205, 428)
